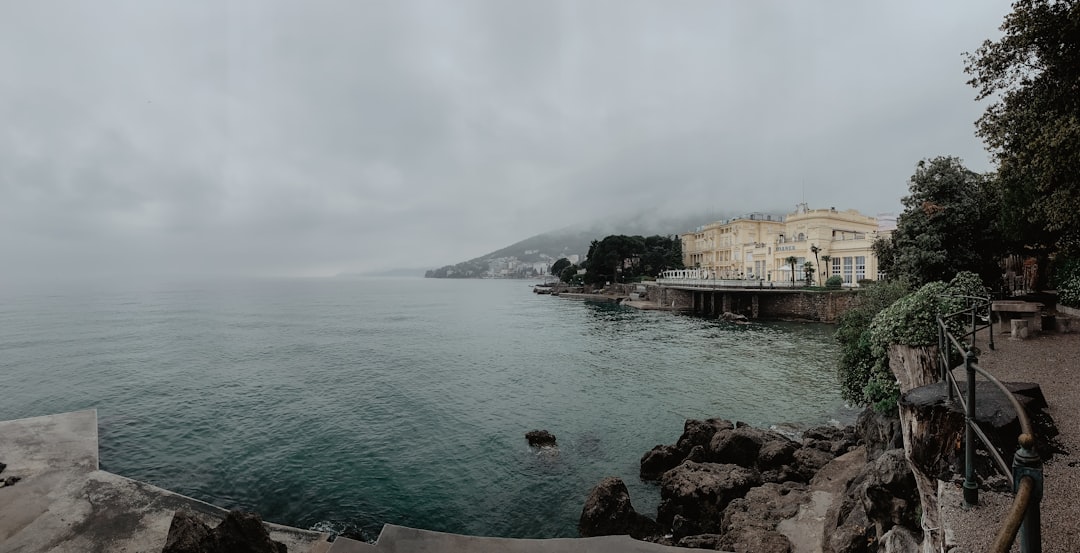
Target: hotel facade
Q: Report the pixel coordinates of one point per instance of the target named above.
(757, 246)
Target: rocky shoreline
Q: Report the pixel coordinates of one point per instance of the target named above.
(728, 486)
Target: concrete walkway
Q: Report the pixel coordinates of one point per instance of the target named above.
(65, 503)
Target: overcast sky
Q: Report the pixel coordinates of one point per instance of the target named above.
(311, 138)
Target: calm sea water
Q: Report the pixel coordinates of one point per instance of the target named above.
(353, 403)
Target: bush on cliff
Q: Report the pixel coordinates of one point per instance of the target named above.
(887, 316)
(855, 368)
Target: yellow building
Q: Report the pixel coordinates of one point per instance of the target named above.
(758, 246)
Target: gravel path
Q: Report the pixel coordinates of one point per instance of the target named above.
(1052, 361)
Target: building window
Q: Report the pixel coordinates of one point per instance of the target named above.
(847, 270)
(860, 268)
(836, 266)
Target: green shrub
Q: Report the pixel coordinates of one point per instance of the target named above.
(1067, 279)
(889, 315)
(834, 281)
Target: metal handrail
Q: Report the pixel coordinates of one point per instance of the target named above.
(1026, 473)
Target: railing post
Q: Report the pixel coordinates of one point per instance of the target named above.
(990, 320)
(1027, 462)
(944, 337)
(971, 487)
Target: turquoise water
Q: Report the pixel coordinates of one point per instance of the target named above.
(353, 403)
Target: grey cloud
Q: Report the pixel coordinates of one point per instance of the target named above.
(317, 137)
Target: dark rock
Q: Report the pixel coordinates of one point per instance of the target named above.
(540, 438)
(824, 433)
(11, 480)
(186, 534)
(3, 466)
(809, 460)
(240, 532)
(682, 527)
(608, 511)
(784, 473)
(659, 460)
(881, 497)
(775, 454)
(701, 541)
(749, 523)
(701, 491)
(738, 447)
(879, 432)
(700, 433)
(697, 454)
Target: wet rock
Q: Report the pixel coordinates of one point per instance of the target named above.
(739, 446)
(9, 481)
(540, 438)
(186, 534)
(3, 466)
(697, 454)
(700, 492)
(659, 460)
(240, 532)
(810, 460)
(775, 454)
(608, 511)
(700, 433)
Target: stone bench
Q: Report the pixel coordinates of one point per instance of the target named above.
(1007, 310)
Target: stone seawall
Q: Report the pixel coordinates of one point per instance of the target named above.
(824, 306)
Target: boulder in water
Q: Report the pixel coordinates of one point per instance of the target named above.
(608, 512)
(540, 438)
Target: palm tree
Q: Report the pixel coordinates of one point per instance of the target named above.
(815, 249)
(792, 260)
(825, 268)
(808, 271)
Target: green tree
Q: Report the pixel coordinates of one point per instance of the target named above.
(558, 266)
(1032, 125)
(568, 273)
(808, 272)
(815, 250)
(622, 258)
(792, 260)
(947, 225)
(825, 268)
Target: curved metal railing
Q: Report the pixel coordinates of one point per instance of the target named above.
(1026, 471)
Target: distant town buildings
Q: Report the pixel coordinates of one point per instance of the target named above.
(759, 246)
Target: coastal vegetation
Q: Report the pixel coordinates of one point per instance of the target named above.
(889, 314)
(622, 258)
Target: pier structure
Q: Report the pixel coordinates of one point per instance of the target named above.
(753, 299)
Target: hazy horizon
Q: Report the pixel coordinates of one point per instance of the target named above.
(278, 139)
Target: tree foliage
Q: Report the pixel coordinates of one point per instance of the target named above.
(559, 265)
(1032, 126)
(948, 225)
(621, 258)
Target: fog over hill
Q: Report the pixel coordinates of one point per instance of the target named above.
(575, 239)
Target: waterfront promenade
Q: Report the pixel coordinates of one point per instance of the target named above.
(1053, 362)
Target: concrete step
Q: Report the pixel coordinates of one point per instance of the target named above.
(346, 545)
(400, 539)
